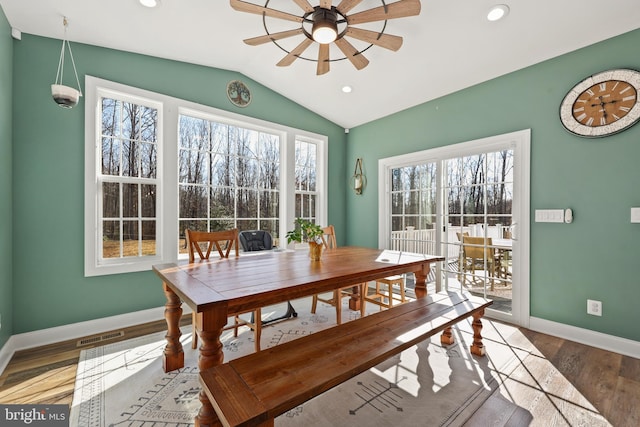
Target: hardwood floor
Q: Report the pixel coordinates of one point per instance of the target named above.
(556, 383)
(47, 374)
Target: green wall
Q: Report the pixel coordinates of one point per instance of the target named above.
(6, 280)
(48, 176)
(595, 257)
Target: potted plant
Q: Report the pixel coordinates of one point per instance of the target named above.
(311, 233)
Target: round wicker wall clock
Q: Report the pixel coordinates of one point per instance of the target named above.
(238, 93)
(602, 104)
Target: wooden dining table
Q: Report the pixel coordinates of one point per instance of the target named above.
(216, 289)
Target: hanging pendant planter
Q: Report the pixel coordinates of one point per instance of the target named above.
(65, 96)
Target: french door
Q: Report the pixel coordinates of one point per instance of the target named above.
(469, 203)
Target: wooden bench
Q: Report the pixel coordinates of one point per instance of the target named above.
(254, 389)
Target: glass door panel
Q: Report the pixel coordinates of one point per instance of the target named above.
(413, 211)
(477, 219)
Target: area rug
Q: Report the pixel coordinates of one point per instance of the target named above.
(122, 384)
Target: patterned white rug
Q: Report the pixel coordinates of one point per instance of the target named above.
(122, 384)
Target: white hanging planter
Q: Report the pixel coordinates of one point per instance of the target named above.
(65, 96)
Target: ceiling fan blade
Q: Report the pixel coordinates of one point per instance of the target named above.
(346, 5)
(323, 59)
(243, 6)
(255, 41)
(357, 59)
(399, 9)
(387, 41)
(304, 4)
(325, 4)
(295, 53)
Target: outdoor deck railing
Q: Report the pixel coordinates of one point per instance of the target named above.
(424, 241)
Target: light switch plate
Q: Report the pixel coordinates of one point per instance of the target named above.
(549, 215)
(635, 215)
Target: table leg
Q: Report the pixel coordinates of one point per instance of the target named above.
(355, 302)
(421, 281)
(209, 325)
(173, 353)
(477, 347)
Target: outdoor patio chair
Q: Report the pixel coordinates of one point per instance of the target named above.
(473, 257)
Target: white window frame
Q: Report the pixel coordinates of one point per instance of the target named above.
(310, 192)
(169, 109)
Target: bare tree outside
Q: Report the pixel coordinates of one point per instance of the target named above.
(229, 177)
(480, 189)
(129, 170)
(306, 184)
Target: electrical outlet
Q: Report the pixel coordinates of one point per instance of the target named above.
(594, 307)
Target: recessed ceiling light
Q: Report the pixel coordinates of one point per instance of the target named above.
(346, 89)
(498, 12)
(150, 3)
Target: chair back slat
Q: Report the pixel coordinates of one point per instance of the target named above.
(329, 237)
(212, 239)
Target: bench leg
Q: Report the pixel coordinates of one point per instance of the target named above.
(210, 325)
(447, 337)
(477, 347)
(173, 354)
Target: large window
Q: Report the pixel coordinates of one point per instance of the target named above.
(156, 165)
(229, 177)
(128, 180)
(306, 166)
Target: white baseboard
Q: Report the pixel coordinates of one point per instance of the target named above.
(6, 353)
(585, 336)
(78, 330)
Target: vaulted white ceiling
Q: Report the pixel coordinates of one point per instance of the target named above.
(450, 45)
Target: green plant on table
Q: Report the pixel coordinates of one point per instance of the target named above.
(305, 231)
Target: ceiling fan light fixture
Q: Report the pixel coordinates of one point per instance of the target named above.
(325, 27)
(498, 12)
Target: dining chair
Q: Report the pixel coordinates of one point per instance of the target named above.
(475, 251)
(383, 294)
(257, 241)
(202, 243)
(504, 265)
(329, 242)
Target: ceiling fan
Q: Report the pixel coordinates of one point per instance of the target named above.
(325, 24)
